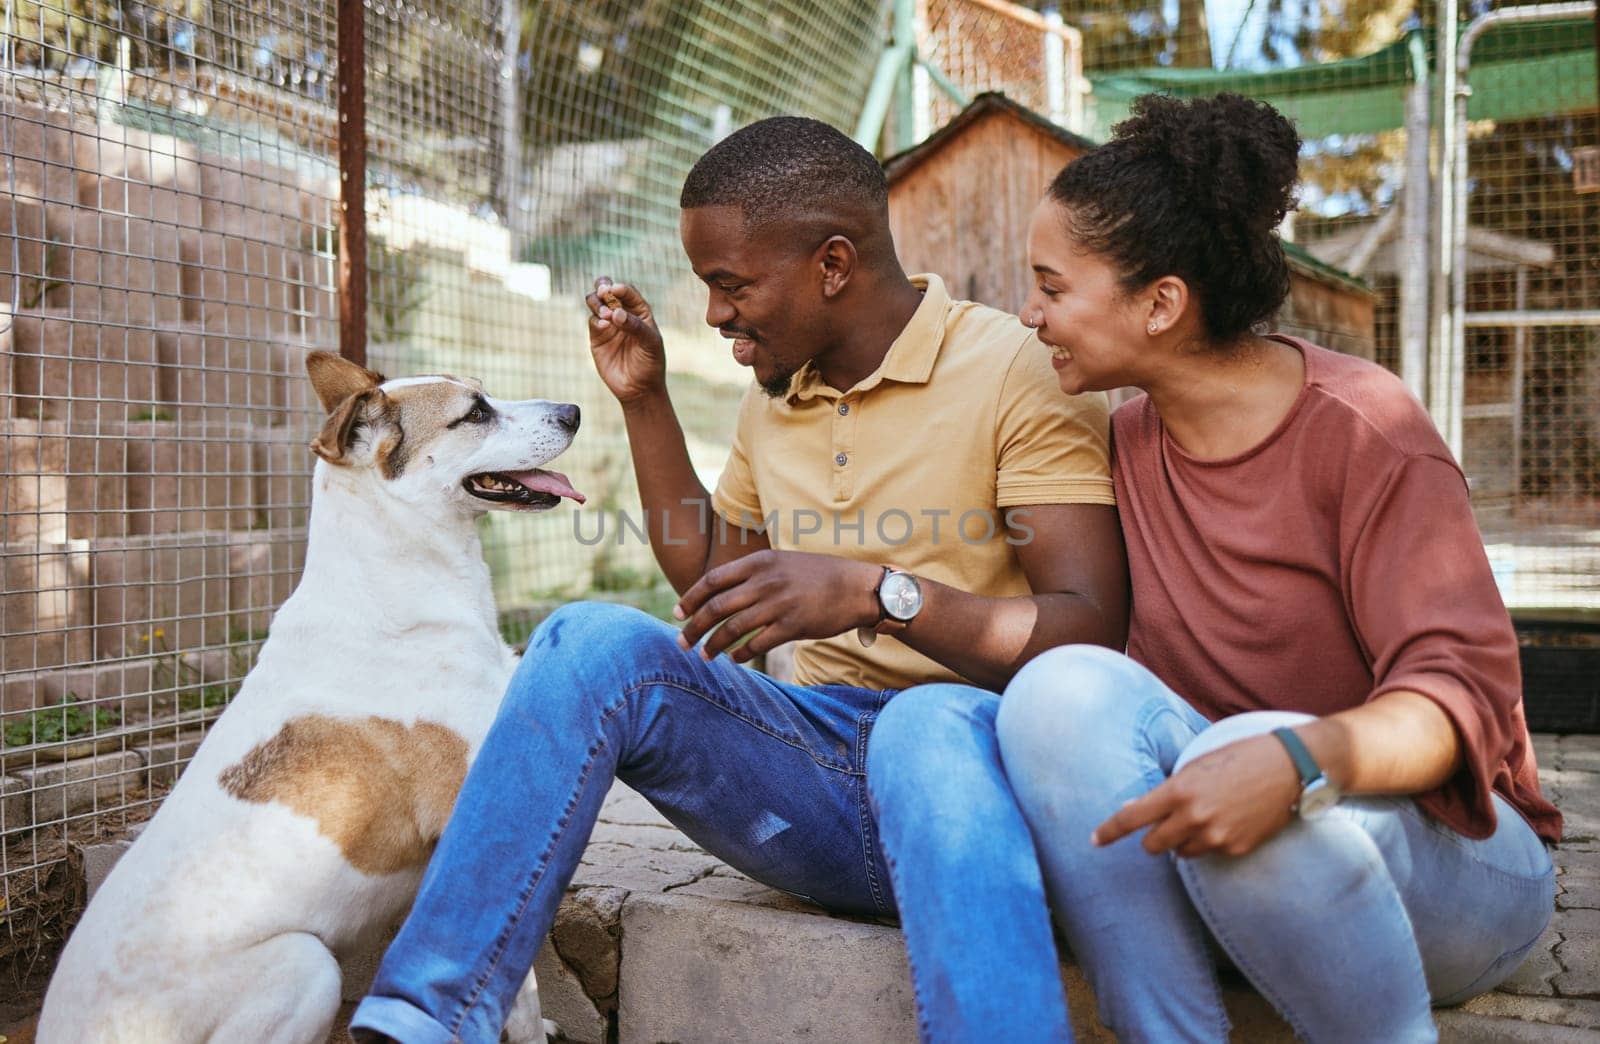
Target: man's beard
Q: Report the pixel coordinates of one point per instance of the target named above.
(777, 386)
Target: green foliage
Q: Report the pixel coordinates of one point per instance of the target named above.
(397, 291)
(57, 722)
(206, 696)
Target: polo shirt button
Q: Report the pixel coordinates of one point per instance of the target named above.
(844, 409)
(841, 460)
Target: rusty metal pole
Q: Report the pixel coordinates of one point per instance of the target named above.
(352, 182)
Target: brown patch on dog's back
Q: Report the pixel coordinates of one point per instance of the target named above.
(378, 789)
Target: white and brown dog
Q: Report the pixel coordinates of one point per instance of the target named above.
(301, 829)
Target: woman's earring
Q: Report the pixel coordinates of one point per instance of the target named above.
(1151, 328)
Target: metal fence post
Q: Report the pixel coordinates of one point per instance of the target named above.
(352, 182)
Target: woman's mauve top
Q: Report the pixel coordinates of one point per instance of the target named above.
(1335, 561)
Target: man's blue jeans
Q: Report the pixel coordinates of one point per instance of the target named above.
(766, 776)
(1350, 924)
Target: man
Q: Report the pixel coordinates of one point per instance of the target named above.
(905, 465)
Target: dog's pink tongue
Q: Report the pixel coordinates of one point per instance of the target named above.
(548, 482)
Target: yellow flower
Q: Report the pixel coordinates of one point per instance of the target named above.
(160, 633)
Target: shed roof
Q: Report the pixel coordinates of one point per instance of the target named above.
(986, 104)
(991, 103)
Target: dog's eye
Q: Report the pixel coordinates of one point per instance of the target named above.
(480, 413)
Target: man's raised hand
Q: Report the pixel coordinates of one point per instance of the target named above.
(625, 341)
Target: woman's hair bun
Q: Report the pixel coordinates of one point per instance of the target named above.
(1193, 187)
(1235, 158)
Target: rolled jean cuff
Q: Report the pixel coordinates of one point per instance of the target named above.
(404, 1022)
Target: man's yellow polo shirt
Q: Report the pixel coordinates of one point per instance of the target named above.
(916, 467)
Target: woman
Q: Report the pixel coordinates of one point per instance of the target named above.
(1313, 754)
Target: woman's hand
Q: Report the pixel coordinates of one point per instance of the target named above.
(625, 341)
(784, 594)
(1228, 801)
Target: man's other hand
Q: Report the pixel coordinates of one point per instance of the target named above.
(783, 595)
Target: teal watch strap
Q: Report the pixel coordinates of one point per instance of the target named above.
(1304, 763)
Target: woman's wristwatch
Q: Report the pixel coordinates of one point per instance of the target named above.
(899, 601)
(1318, 793)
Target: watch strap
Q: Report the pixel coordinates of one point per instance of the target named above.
(1300, 754)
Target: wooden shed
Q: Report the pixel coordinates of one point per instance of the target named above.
(959, 205)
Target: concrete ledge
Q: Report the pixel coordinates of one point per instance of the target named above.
(657, 941)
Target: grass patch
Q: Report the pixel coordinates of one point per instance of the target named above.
(57, 722)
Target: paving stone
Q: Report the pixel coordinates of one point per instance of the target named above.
(1577, 922)
(627, 806)
(1582, 756)
(1533, 977)
(1576, 863)
(1456, 1027)
(1579, 954)
(1578, 893)
(1545, 1011)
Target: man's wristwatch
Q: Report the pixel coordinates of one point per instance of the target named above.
(1318, 793)
(899, 601)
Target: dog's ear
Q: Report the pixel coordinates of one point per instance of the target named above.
(336, 378)
(368, 408)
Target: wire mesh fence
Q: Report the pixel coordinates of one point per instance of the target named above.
(168, 253)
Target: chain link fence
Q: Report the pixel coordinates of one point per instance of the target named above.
(169, 253)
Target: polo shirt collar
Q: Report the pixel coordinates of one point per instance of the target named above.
(910, 358)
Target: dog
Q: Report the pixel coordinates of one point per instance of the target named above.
(302, 826)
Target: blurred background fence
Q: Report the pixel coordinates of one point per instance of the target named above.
(169, 252)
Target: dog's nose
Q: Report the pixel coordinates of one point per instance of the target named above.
(567, 416)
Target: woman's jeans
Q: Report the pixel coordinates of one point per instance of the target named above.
(1351, 925)
(766, 776)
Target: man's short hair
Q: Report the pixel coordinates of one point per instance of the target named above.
(786, 167)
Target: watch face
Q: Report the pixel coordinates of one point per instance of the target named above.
(900, 595)
(1317, 798)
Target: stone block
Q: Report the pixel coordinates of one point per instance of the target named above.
(119, 685)
(70, 788)
(188, 478)
(160, 593)
(25, 252)
(130, 171)
(246, 282)
(214, 379)
(564, 1001)
(263, 568)
(98, 859)
(46, 606)
(282, 464)
(14, 806)
(63, 481)
(165, 759)
(67, 369)
(43, 151)
(119, 269)
(695, 969)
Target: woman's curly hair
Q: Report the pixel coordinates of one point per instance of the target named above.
(1192, 188)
